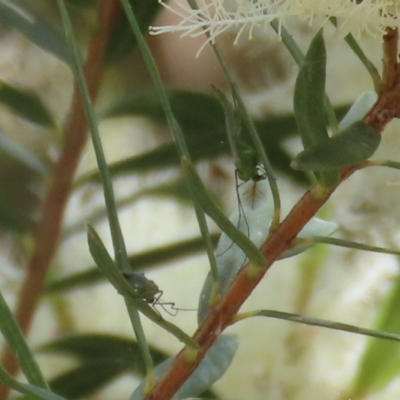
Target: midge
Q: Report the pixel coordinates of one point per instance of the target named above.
(248, 167)
(148, 291)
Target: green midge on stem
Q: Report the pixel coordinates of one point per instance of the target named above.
(246, 162)
(244, 154)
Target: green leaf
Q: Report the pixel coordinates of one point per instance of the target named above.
(122, 39)
(380, 362)
(115, 277)
(16, 342)
(309, 95)
(34, 29)
(354, 245)
(85, 379)
(108, 267)
(32, 391)
(354, 144)
(102, 358)
(102, 348)
(323, 323)
(212, 367)
(26, 104)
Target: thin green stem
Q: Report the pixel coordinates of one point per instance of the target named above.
(116, 234)
(338, 326)
(152, 69)
(370, 67)
(120, 253)
(251, 128)
(16, 342)
(205, 233)
(353, 245)
(141, 338)
(27, 389)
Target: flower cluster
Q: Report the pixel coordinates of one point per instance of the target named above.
(216, 16)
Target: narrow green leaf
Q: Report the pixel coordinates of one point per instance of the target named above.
(85, 379)
(369, 66)
(212, 367)
(26, 104)
(354, 245)
(381, 359)
(390, 338)
(31, 390)
(354, 144)
(122, 39)
(298, 57)
(102, 358)
(102, 348)
(309, 95)
(15, 340)
(389, 164)
(114, 275)
(34, 29)
(107, 267)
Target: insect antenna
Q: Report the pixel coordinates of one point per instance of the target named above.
(162, 304)
(241, 212)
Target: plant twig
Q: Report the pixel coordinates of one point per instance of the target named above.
(389, 75)
(387, 106)
(220, 317)
(49, 227)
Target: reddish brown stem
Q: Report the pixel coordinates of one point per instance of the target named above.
(49, 227)
(386, 108)
(389, 75)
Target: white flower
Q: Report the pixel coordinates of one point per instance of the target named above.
(216, 16)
